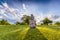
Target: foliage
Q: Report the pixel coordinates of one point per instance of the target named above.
(4, 22)
(57, 23)
(22, 23)
(25, 19)
(46, 21)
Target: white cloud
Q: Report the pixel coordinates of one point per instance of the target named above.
(2, 11)
(1, 16)
(24, 6)
(1, 6)
(6, 9)
(49, 16)
(17, 14)
(5, 5)
(58, 19)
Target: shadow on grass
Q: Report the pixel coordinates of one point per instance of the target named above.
(34, 34)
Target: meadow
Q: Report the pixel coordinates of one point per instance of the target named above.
(24, 32)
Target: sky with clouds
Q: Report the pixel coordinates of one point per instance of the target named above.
(13, 10)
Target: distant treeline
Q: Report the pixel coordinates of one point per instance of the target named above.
(25, 21)
(4, 22)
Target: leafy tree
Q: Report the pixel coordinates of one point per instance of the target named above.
(17, 23)
(4, 22)
(25, 19)
(57, 23)
(22, 23)
(46, 21)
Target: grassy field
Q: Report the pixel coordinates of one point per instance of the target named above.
(23, 32)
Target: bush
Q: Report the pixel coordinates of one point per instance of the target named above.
(57, 23)
(47, 21)
(4, 22)
(22, 23)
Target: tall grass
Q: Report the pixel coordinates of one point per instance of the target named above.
(24, 32)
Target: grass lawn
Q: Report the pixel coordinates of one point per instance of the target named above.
(23, 32)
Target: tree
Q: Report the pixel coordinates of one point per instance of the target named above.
(25, 19)
(4, 22)
(46, 21)
(57, 23)
(22, 23)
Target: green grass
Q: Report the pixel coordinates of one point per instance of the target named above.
(23, 32)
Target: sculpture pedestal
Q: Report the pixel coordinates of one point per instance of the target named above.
(32, 24)
(32, 27)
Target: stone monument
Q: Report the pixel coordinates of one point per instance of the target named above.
(32, 22)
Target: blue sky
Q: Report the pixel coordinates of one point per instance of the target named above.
(40, 8)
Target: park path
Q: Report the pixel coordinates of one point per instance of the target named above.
(34, 34)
